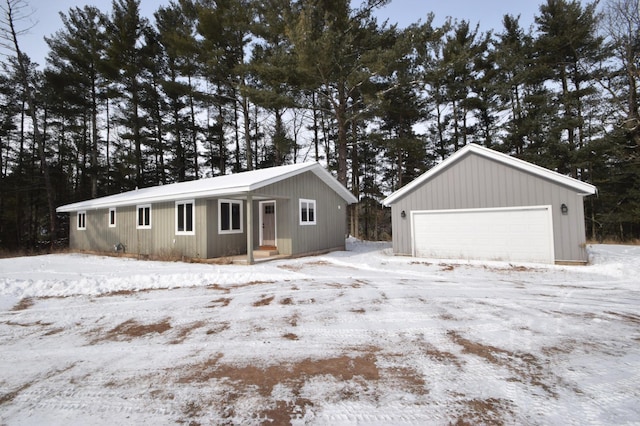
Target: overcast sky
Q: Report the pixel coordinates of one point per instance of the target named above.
(488, 13)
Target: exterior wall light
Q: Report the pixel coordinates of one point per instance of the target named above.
(564, 209)
(403, 214)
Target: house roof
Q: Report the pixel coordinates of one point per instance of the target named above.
(219, 186)
(579, 186)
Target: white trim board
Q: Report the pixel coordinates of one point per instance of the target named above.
(579, 186)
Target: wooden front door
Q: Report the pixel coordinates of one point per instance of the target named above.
(268, 223)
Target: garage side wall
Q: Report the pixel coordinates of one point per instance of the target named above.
(479, 182)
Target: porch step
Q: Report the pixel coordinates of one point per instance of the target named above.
(264, 251)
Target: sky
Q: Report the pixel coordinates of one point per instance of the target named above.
(487, 13)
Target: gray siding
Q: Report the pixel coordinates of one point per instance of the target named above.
(161, 239)
(331, 215)
(292, 238)
(478, 182)
(221, 245)
(284, 220)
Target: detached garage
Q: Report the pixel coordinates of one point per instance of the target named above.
(484, 205)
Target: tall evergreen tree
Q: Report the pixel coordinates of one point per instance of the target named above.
(12, 13)
(569, 46)
(462, 51)
(76, 54)
(126, 28)
(176, 33)
(154, 103)
(400, 112)
(225, 27)
(274, 75)
(337, 50)
(432, 69)
(512, 51)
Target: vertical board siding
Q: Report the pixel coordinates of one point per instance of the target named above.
(222, 245)
(292, 238)
(161, 239)
(331, 215)
(479, 182)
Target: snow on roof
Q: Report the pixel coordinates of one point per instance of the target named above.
(581, 187)
(227, 185)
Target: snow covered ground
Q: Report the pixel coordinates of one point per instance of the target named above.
(355, 337)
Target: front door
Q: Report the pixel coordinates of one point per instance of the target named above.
(268, 223)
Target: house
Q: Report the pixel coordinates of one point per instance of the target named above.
(482, 204)
(292, 210)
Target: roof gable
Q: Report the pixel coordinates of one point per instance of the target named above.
(227, 185)
(560, 179)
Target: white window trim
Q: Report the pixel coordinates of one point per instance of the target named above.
(115, 217)
(230, 231)
(315, 212)
(193, 217)
(82, 213)
(143, 206)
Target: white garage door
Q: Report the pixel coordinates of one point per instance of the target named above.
(508, 234)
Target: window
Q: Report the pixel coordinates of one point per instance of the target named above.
(229, 217)
(307, 212)
(144, 217)
(185, 214)
(112, 217)
(82, 221)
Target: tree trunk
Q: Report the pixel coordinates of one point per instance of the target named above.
(341, 118)
(355, 185)
(247, 132)
(194, 133)
(137, 136)
(30, 96)
(236, 123)
(315, 126)
(94, 140)
(108, 137)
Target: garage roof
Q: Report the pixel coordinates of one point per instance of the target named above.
(580, 187)
(219, 186)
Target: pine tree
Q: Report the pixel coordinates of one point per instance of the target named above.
(274, 75)
(225, 28)
(400, 111)
(76, 54)
(568, 45)
(176, 34)
(154, 103)
(12, 12)
(125, 69)
(337, 50)
(463, 48)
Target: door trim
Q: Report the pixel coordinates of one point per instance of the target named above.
(275, 221)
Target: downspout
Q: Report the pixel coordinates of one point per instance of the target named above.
(249, 229)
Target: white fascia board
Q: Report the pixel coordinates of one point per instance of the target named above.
(244, 183)
(583, 188)
(423, 178)
(320, 172)
(301, 168)
(116, 201)
(333, 183)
